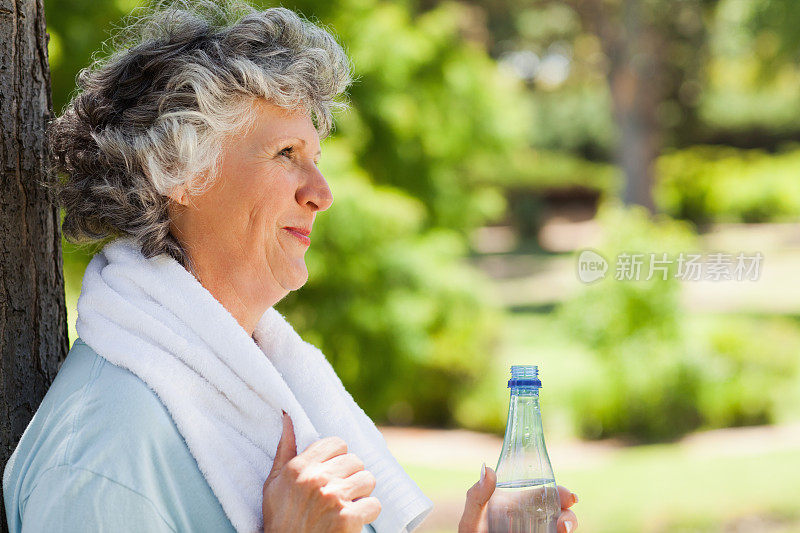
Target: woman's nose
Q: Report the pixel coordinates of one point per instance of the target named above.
(315, 192)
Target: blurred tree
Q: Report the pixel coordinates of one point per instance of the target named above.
(33, 322)
(608, 79)
(429, 103)
(653, 52)
(750, 98)
(776, 21)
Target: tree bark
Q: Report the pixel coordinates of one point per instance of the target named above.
(33, 321)
(636, 92)
(634, 48)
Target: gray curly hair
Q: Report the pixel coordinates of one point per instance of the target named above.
(155, 113)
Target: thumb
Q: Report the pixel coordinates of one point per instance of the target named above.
(286, 446)
(477, 497)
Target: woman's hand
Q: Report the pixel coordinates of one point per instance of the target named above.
(322, 489)
(474, 519)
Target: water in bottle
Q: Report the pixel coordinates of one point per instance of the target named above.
(526, 499)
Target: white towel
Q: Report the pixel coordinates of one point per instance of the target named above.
(224, 391)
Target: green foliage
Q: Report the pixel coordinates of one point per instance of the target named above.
(575, 118)
(749, 90)
(429, 104)
(484, 406)
(723, 184)
(645, 396)
(773, 25)
(661, 372)
(612, 312)
(537, 169)
(76, 28)
(647, 388)
(748, 365)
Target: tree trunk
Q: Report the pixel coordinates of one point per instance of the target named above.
(634, 47)
(636, 94)
(33, 321)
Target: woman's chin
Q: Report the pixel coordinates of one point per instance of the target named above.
(297, 279)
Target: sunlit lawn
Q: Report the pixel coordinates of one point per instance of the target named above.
(660, 488)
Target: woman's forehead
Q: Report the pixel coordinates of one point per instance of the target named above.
(274, 124)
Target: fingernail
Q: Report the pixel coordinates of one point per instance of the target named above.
(483, 471)
(568, 526)
(574, 498)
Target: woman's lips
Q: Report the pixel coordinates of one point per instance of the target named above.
(305, 239)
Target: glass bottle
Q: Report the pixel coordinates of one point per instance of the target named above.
(526, 499)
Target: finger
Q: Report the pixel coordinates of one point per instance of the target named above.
(287, 448)
(567, 497)
(567, 522)
(366, 509)
(324, 449)
(344, 465)
(359, 485)
(477, 497)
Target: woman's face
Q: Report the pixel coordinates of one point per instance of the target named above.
(236, 231)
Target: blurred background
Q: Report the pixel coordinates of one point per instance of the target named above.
(487, 144)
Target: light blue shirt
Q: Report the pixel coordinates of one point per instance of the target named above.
(102, 453)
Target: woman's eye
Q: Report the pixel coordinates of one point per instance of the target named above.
(286, 151)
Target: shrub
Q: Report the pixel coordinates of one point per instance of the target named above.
(662, 372)
(723, 184)
(648, 388)
(748, 366)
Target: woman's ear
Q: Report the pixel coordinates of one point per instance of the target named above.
(178, 195)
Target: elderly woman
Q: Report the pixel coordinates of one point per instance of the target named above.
(188, 403)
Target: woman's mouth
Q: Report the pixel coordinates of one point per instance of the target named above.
(305, 239)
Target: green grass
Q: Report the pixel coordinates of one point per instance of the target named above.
(660, 488)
